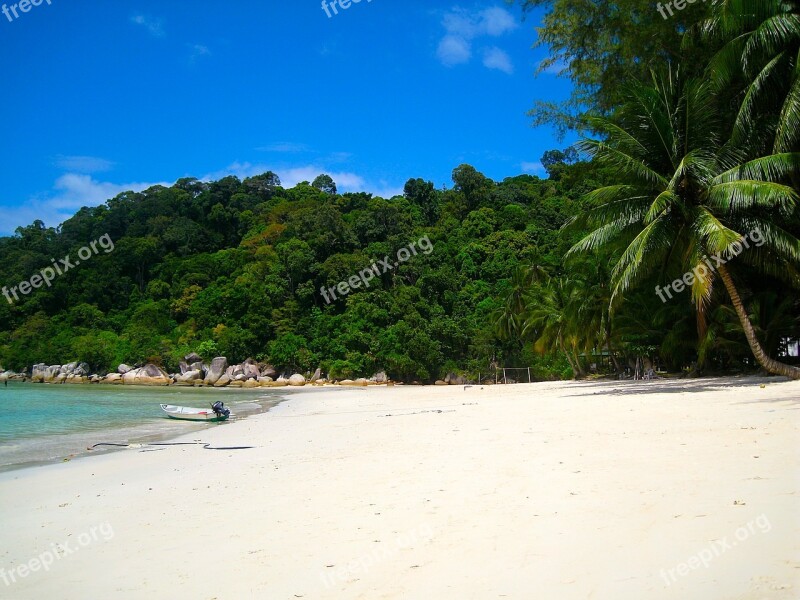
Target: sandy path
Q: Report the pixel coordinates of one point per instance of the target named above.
(609, 490)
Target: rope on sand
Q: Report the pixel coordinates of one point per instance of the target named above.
(206, 446)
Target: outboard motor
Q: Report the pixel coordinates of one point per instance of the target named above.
(219, 409)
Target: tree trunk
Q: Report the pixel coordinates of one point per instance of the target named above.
(566, 354)
(769, 364)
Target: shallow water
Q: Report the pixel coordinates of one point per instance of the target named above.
(46, 422)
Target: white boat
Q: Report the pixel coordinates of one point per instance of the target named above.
(184, 413)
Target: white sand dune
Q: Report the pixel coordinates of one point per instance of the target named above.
(614, 490)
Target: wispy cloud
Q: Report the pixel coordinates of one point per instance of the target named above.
(198, 50)
(283, 147)
(453, 51)
(495, 58)
(463, 28)
(83, 164)
(533, 167)
(154, 26)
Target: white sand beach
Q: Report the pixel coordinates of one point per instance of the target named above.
(683, 489)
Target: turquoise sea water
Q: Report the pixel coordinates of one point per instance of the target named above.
(48, 422)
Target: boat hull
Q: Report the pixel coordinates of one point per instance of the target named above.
(184, 413)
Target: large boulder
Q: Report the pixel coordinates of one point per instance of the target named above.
(113, 378)
(190, 378)
(147, 375)
(316, 376)
(297, 380)
(251, 369)
(38, 373)
(222, 381)
(268, 371)
(453, 379)
(216, 370)
(53, 374)
(192, 358)
(380, 377)
(184, 367)
(123, 368)
(198, 366)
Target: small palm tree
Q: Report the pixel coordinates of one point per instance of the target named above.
(552, 320)
(686, 192)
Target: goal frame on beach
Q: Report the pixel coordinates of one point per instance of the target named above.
(501, 374)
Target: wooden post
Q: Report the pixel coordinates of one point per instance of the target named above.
(505, 381)
(529, 374)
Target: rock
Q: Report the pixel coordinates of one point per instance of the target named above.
(198, 366)
(347, 382)
(38, 372)
(190, 378)
(223, 381)
(268, 371)
(123, 368)
(316, 376)
(453, 379)
(147, 375)
(76, 379)
(113, 378)
(52, 374)
(440, 382)
(218, 367)
(265, 380)
(380, 377)
(361, 381)
(192, 358)
(278, 383)
(297, 380)
(184, 367)
(250, 369)
(240, 377)
(251, 383)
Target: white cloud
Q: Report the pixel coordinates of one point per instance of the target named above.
(453, 51)
(83, 164)
(70, 192)
(154, 26)
(497, 21)
(463, 28)
(283, 147)
(495, 58)
(532, 167)
(198, 50)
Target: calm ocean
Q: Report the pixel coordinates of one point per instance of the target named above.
(48, 422)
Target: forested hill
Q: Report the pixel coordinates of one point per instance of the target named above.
(237, 268)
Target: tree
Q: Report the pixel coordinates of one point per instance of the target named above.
(600, 43)
(684, 192)
(325, 184)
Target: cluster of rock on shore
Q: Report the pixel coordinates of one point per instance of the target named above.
(193, 372)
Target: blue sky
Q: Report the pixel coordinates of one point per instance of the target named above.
(100, 97)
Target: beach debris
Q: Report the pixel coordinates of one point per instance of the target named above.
(739, 503)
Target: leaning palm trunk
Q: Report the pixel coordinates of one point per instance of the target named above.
(769, 364)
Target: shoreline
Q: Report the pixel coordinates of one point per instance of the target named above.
(255, 402)
(573, 489)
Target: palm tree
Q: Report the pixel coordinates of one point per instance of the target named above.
(686, 191)
(552, 320)
(758, 58)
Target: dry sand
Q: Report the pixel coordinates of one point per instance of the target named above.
(612, 490)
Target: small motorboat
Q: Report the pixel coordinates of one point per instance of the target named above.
(217, 412)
